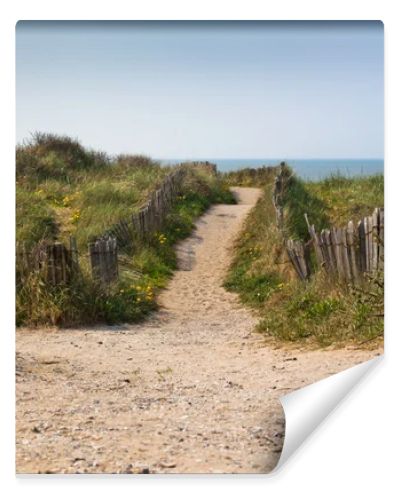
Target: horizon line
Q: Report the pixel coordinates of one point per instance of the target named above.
(277, 158)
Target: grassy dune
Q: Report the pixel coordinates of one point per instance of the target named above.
(320, 312)
(64, 189)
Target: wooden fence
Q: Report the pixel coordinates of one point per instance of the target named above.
(350, 252)
(299, 256)
(281, 182)
(151, 216)
(58, 263)
(103, 255)
(346, 253)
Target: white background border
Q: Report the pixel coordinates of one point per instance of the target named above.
(354, 454)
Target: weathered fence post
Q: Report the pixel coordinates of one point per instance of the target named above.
(49, 264)
(368, 221)
(94, 260)
(73, 248)
(22, 259)
(381, 241)
(345, 254)
(352, 250)
(375, 239)
(316, 242)
(299, 256)
(103, 256)
(277, 199)
(362, 247)
(329, 252)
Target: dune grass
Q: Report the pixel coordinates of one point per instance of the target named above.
(320, 312)
(347, 198)
(63, 189)
(252, 177)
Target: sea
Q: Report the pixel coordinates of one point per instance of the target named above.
(308, 169)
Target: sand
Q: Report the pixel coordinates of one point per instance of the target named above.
(192, 389)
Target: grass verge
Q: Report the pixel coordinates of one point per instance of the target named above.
(320, 312)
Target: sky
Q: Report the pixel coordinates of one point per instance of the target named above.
(205, 90)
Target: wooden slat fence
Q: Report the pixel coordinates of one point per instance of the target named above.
(59, 264)
(103, 255)
(151, 216)
(346, 253)
(298, 254)
(351, 251)
(54, 261)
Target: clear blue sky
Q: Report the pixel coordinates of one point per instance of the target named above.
(217, 90)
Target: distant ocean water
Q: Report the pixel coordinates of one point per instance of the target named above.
(314, 169)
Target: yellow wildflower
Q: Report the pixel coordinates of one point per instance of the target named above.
(76, 215)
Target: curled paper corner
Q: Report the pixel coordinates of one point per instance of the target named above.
(306, 408)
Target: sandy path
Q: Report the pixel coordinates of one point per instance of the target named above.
(190, 390)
